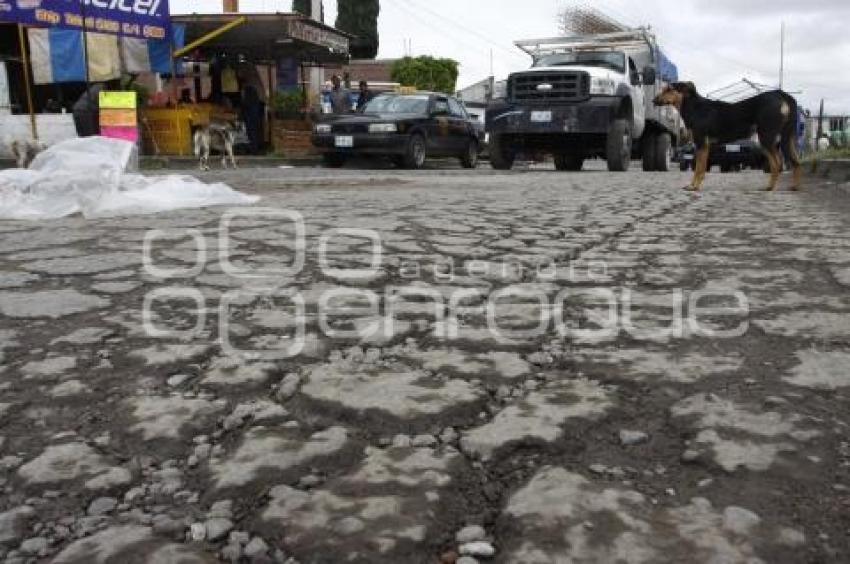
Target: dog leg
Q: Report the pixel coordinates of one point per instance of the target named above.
(775, 160)
(232, 157)
(789, 145)
(700, 169)
(207, 156)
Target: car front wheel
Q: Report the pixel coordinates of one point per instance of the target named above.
(501, 156)
(663, 150)
(414, 157)
(619, 146)
(470, 157)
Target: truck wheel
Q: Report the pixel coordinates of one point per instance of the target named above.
(648, 149)
(619, 146)
(414, 157)
(565, 161)
(469, 159)
(501, 157)
(663, 147)
(333, 160)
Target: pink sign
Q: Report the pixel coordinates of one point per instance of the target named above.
(118, 132)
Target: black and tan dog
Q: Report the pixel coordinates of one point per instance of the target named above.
(772, 115)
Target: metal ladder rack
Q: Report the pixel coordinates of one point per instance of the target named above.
(639, 38)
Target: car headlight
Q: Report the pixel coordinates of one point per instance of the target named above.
(602, 87)
(383, 128)
(323, 128)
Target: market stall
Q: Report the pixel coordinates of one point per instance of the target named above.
(53, 51)
(233, 53)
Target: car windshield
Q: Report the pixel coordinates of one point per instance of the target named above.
(616, 61)
(397, 105)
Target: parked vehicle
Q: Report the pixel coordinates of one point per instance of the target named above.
(587, 97)
(729, 157)
(408, 128)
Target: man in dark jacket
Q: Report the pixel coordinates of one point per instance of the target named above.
(365, 95)
(87, 112)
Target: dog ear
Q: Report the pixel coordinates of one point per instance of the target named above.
(687, 88)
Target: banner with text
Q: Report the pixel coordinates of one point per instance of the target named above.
(145, 19)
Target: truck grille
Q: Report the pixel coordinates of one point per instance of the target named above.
(566, 87)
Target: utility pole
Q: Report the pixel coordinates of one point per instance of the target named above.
(782, 57)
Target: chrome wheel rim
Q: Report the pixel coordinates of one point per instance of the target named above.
(418, 152)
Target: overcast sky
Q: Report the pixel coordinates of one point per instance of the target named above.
(714, 42)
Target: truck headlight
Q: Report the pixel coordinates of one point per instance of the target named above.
(602, 87)
(383, 128)
(323, 128)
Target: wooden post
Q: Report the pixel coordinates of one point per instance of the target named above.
(27, 83)
(174, 94)
(85, 34)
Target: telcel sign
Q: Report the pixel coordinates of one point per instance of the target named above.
(146, 19)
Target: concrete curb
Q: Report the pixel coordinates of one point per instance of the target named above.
(836, 170)
(164, 163)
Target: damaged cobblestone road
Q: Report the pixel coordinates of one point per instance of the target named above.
(551, 385)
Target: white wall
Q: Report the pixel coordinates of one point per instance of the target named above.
(4, 90)
(52, 128)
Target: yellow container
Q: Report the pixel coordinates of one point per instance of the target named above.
(167, 131)
(170, 129)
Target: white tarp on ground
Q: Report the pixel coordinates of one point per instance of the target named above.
(88, 176)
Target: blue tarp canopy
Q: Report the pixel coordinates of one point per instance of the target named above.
(667, 70)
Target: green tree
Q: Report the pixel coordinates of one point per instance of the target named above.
(426, 73)
(360, 18)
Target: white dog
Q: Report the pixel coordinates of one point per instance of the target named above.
(25, 151)
(218, 136)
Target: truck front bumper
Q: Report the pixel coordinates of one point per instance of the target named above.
(591, 116)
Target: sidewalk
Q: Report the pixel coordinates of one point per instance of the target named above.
(188, 162)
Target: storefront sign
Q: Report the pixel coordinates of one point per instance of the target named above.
(118, 116)
(307, 32)
(145, 19)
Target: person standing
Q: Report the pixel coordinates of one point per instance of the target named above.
(86, 112)
(340, 97)
(365, 95)
(252, 114)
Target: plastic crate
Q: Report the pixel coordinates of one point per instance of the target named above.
(167, 131)
(170, 129)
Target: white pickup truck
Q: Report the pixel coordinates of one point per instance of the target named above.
(587, 97)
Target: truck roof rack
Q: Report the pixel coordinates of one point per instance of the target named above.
(632, 39)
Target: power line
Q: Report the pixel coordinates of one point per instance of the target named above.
(408, 13)
(433, 14)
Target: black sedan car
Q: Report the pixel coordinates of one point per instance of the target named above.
(408, 128)
(730, 157)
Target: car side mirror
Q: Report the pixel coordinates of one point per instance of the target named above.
(649, 76)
